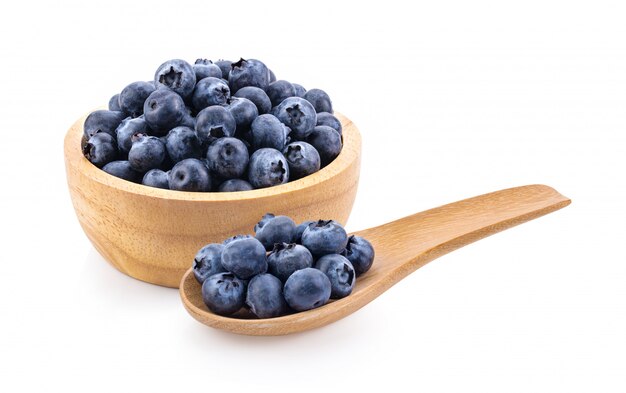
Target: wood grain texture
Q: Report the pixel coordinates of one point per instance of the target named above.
(402, 247)
(153, 234)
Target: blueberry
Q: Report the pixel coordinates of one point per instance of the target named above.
(225, 66)
(297, 236)
(360, 253)
(340, 272)
(248, 73)
(164, 110)
(123, 170)
(297, 114)
(274, 229)
(236, 237)
(300, 91)
(268, 131)
(287, 258)
(228, 158)
(147, 152)
(156, 178)
(320, 100)
(210, 91)
(127, 128)
(102, 121)
(328, 119)
(223, 293)
(234, 185)
(100, 149)
(303, 159)
(280, 90)
(258, 98)
(327, 142)
(325, 237)
(114, 103)
(214, 122)
(244, 111)
(177, 75)
(190, 175)
(265, 296)
(272, 76)
(205, 68)
(268, 167)
(306, 289)
(244, 258)
(208, 261)
(133, 96)
(182, 143)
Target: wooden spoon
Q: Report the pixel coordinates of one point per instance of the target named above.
(402, 247)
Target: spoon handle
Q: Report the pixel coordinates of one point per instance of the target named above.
(413, 241)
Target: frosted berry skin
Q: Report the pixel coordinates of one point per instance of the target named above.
(267, 168)
(340, 273)
(214, 122)
(272, 230)
(133, 96)
(257, 96)
(307, 289)
(360, 252)
(281, 129)
(225, 66)
(123, 170)
(299, 115)
(124, 132)
(327, 142)
(328, 119)
(303, 159)
(234, 185)
(190, 175)
(164, 110)
(228, 158)
(249, 72)
(205, 68)
(223, 293)
(280, 90)
(208, 261)
(320, 100)
(156, 178)
(146, 152)
(268, 131)
(176, 75)
(182, 143)
(114, 103)
(297, 237)
(210, 91)
(285, 259)
(244, 111)
(265, 298)
(245, 258)
(325, 237)
(102, 121)
(100, 149)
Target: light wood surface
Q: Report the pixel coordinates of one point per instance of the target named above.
(153, 234)
(401, 247)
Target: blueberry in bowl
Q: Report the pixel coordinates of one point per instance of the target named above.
(148, 220)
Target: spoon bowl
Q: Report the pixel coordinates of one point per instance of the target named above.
(401, 246)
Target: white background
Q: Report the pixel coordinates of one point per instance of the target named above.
(453, 99)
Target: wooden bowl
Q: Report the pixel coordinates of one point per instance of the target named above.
(153, 234)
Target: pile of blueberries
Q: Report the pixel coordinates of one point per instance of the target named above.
(223, 126)
(306, 266)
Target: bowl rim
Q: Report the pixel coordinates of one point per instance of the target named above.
(350, 153)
